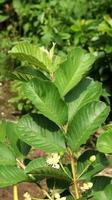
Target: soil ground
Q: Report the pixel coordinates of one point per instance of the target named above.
(32, 189)
(6, 110)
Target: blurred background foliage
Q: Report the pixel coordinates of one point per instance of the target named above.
(85, 23)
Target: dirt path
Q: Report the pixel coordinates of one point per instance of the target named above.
(6, 109)
(32, 189)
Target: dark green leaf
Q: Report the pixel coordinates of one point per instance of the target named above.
(57, 184)
(85, 123)
(100, 182)
(31, 72)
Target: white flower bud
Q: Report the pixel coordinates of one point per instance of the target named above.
(90, 185)
(92, 158)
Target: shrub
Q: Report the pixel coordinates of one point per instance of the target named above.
(68, 112)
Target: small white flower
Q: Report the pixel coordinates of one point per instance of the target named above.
(90, 185)
(63, 198)
(82, 189)
(27, 196)
(92, 158)
(56, 166)
(57, 197)
(86, 186)
(53, 159)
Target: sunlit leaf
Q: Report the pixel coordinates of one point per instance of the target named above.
(11, 175)
(45, 96)
(34, 55)
(104, 142)
(41, 133)
(72, 70)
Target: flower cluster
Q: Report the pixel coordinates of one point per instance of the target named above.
(86, 186)
(57, 197)
(27, 196)
(53, 160)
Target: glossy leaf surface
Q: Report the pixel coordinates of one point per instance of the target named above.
(41, 133)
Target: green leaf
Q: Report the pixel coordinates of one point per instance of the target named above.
(34, 55)
(2, 131)
(45, 96)
(41, 169)
(18, 7)
(104, 142)
(105, 194)
(85, 123)
(30, 72)
(41, 133)
(100, 182)
(6, 155)
(72, 70)
(85, 92)
(59, 185)
(3, 18)
(2, 1)
(19, 148)
(69, 197)
(10, 175)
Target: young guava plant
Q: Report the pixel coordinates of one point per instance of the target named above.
(68, 112)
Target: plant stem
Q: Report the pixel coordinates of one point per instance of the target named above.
(73, 167)
(84, 170)
(15, 192)
(46, 193)
(65, 170)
